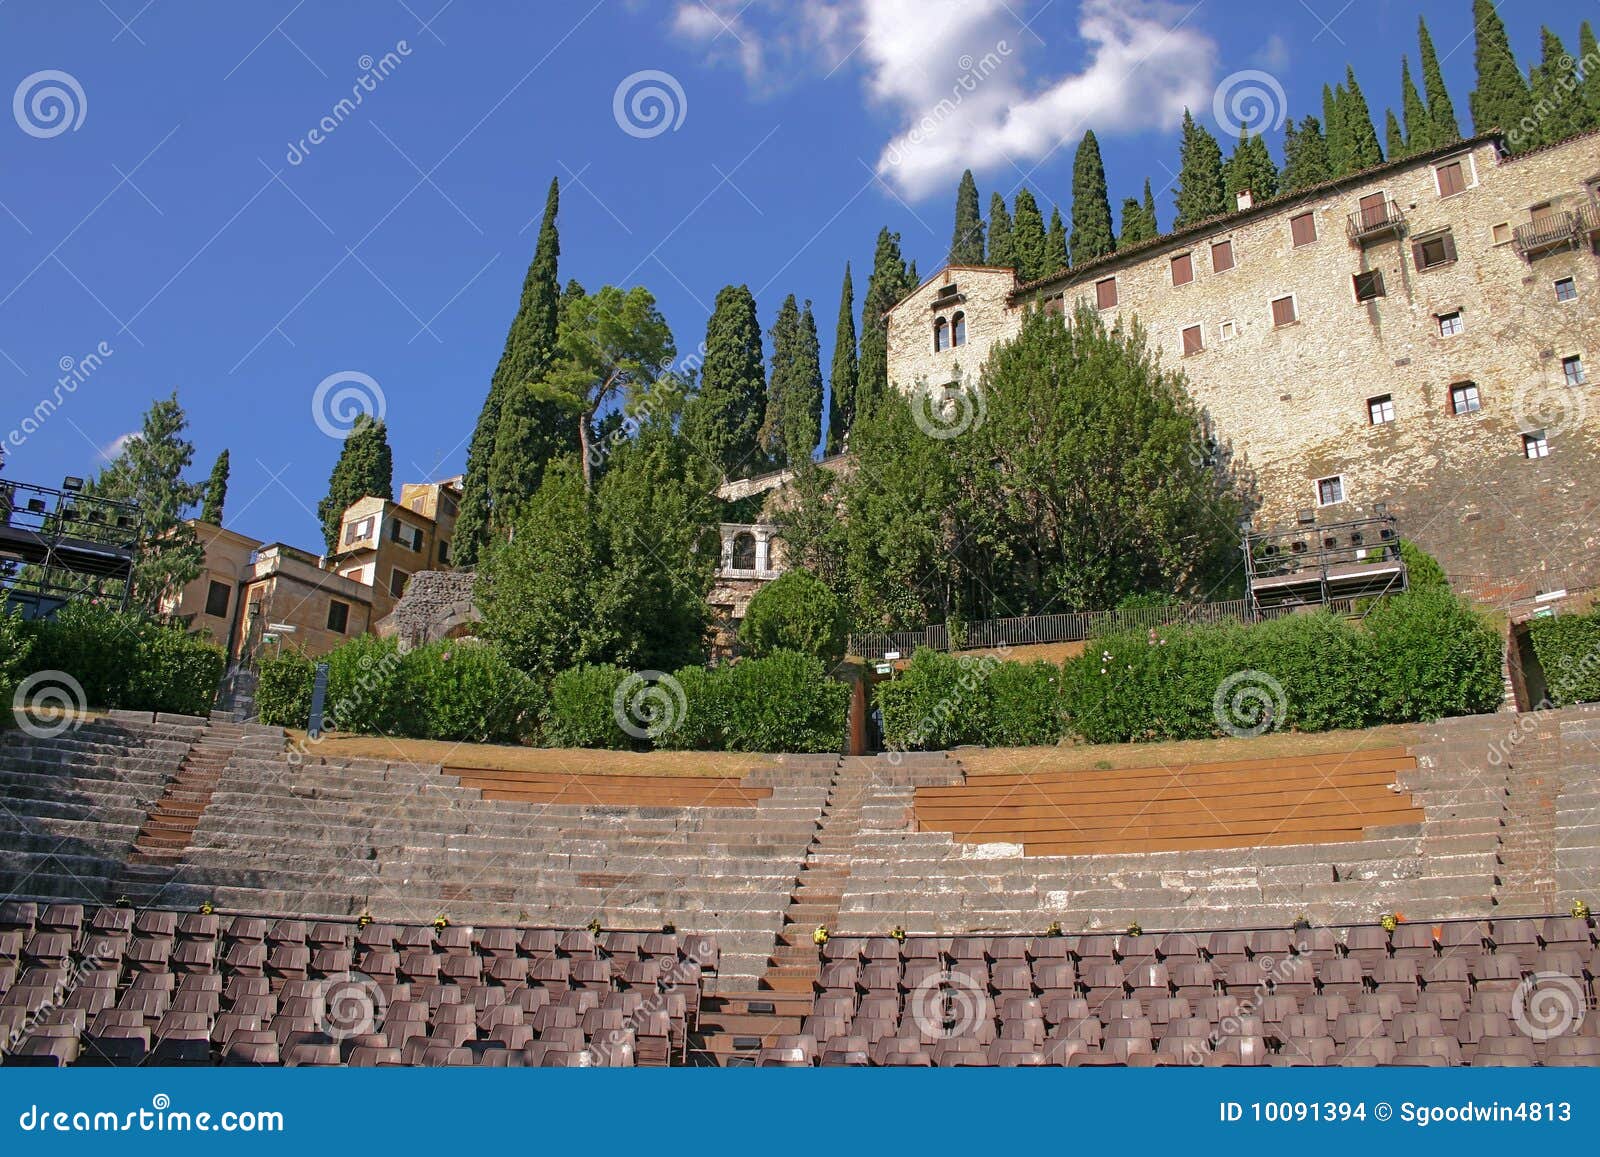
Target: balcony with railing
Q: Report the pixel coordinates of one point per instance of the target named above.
(1375, 222)
(1562, 229)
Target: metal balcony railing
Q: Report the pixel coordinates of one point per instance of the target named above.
(1375, 222)
(1557, 230)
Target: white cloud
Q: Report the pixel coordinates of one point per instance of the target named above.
(113, 449)
(1272, 55)
(956, 72)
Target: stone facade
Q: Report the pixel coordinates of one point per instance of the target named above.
(436, 605)
(1329, 386)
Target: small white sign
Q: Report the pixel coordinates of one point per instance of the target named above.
(891, 655)
(283, 628)
(1551, 596)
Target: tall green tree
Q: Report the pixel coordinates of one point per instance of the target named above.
(512, 471)
(149, 471)
(216, 491)
(966, 246)
(612, 346)
(842, 373)
(1150, 208)
(794, 390)
(1357, 120)
(1443, 129)
(1340, 146)
(1201, 192)
(1136, 226)
(724, 419)
(1394, 135)
(1055, 244)
(1556, 91)
(1305, 156)
(1091, 205)
(890, 281)
(1417, 134)
(365, 469)
(1589, 105)
(1501, 98)
(1251, 167)
(1002, 241)
(1028, 234)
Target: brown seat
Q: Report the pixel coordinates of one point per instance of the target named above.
(251, 1048)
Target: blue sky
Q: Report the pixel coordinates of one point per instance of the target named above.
(175, 211)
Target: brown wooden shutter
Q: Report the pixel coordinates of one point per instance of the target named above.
(1303, 228)
(1105, 293)
(1222, 256)
(1451, 179)
(1283, 311)
(1182, 269)
(1192, 343)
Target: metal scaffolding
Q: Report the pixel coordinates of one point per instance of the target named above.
(1320, 564)
(58, 545)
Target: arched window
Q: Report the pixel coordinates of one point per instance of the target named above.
(941, 335)
(958, 328)
(744, 551)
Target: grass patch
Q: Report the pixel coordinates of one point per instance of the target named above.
(548, 760)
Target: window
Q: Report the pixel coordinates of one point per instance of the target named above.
(1535, 445)
(1452, 178)
(444, 552)
(1501, 233)
(1566, 290)
(1380, 410)
(447, 506)
(1105, 293)
(338, 616)
(1432, 252)
(357, 531)
(1193, 342)
(1464, 398)
(1227, 331)
(397, 582)
(1182, 269)
(958, 328)
(1572, 370)
(416, 504)
(1369, 285)
(1450, 324)
(1330, 490)
(941, 335)
(1055, 304)
(1222, 257)
(217, 600)
(1283, 311)
(406, 535)
(1303, 229)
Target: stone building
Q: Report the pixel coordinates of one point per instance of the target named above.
(1418, 334)
(383, 543)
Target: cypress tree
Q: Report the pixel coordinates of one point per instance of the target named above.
(1251, 167)
(1201, 191)
(365, 469)
(1027, 231)
(803, 418)
(724, 420)
(1443, 129)
(1055, 243)
(1338, 135)
(966, 246)
(1557, 96)
(842, 375)
(1357, 118)
(888, 283)
(1501, 98)
(216, 492)
(1394, 136)
(794, 391)
(510, 471)
(1135, 224)
(1150, 209)
(1305, 156)
(1091, 206)
(1418, 134)
(1002, 241)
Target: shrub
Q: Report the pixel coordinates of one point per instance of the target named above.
(1568, 649)
(784, 702)
(1436, 657)
(15, 644)
(703, 724)
(124, 660)
(465, 691)
(583, 708)
(1024, 704)
(177, 671)
(1151, 685)
(1423, 571)
(939, 701)
(365, 691)
(283, 688)
(795, 612)
(1325, 665)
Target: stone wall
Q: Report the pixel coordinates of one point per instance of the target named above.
(436, 605)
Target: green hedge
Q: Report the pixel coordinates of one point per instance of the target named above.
(15, 645)
(583, 708)
(1568, 649)
(784, 702)
(125, 660)
(283, 688)
(795, 612)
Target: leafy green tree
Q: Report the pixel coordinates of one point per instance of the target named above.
(510, 469)
(723, 420)
(1091, 205)
(794, 393)
(1055, 244)
(1417, 136)
(1028, 235)
(1251, 167)
(1501, 98)
(1305, 156)
(795, 612)
(149, 471)
(1589, 50)
(612, 344)
(1443, 129)
(365, 469)
(1356, 119)
(842, 374)
(1394, 135)
(890, 281)
(216, 491)
(1002, 240)
(966, 247)
(813, 532)
(1557, 99)
(1150, 208)
(1201, 192)
(1340, 148)
(1136, 226)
